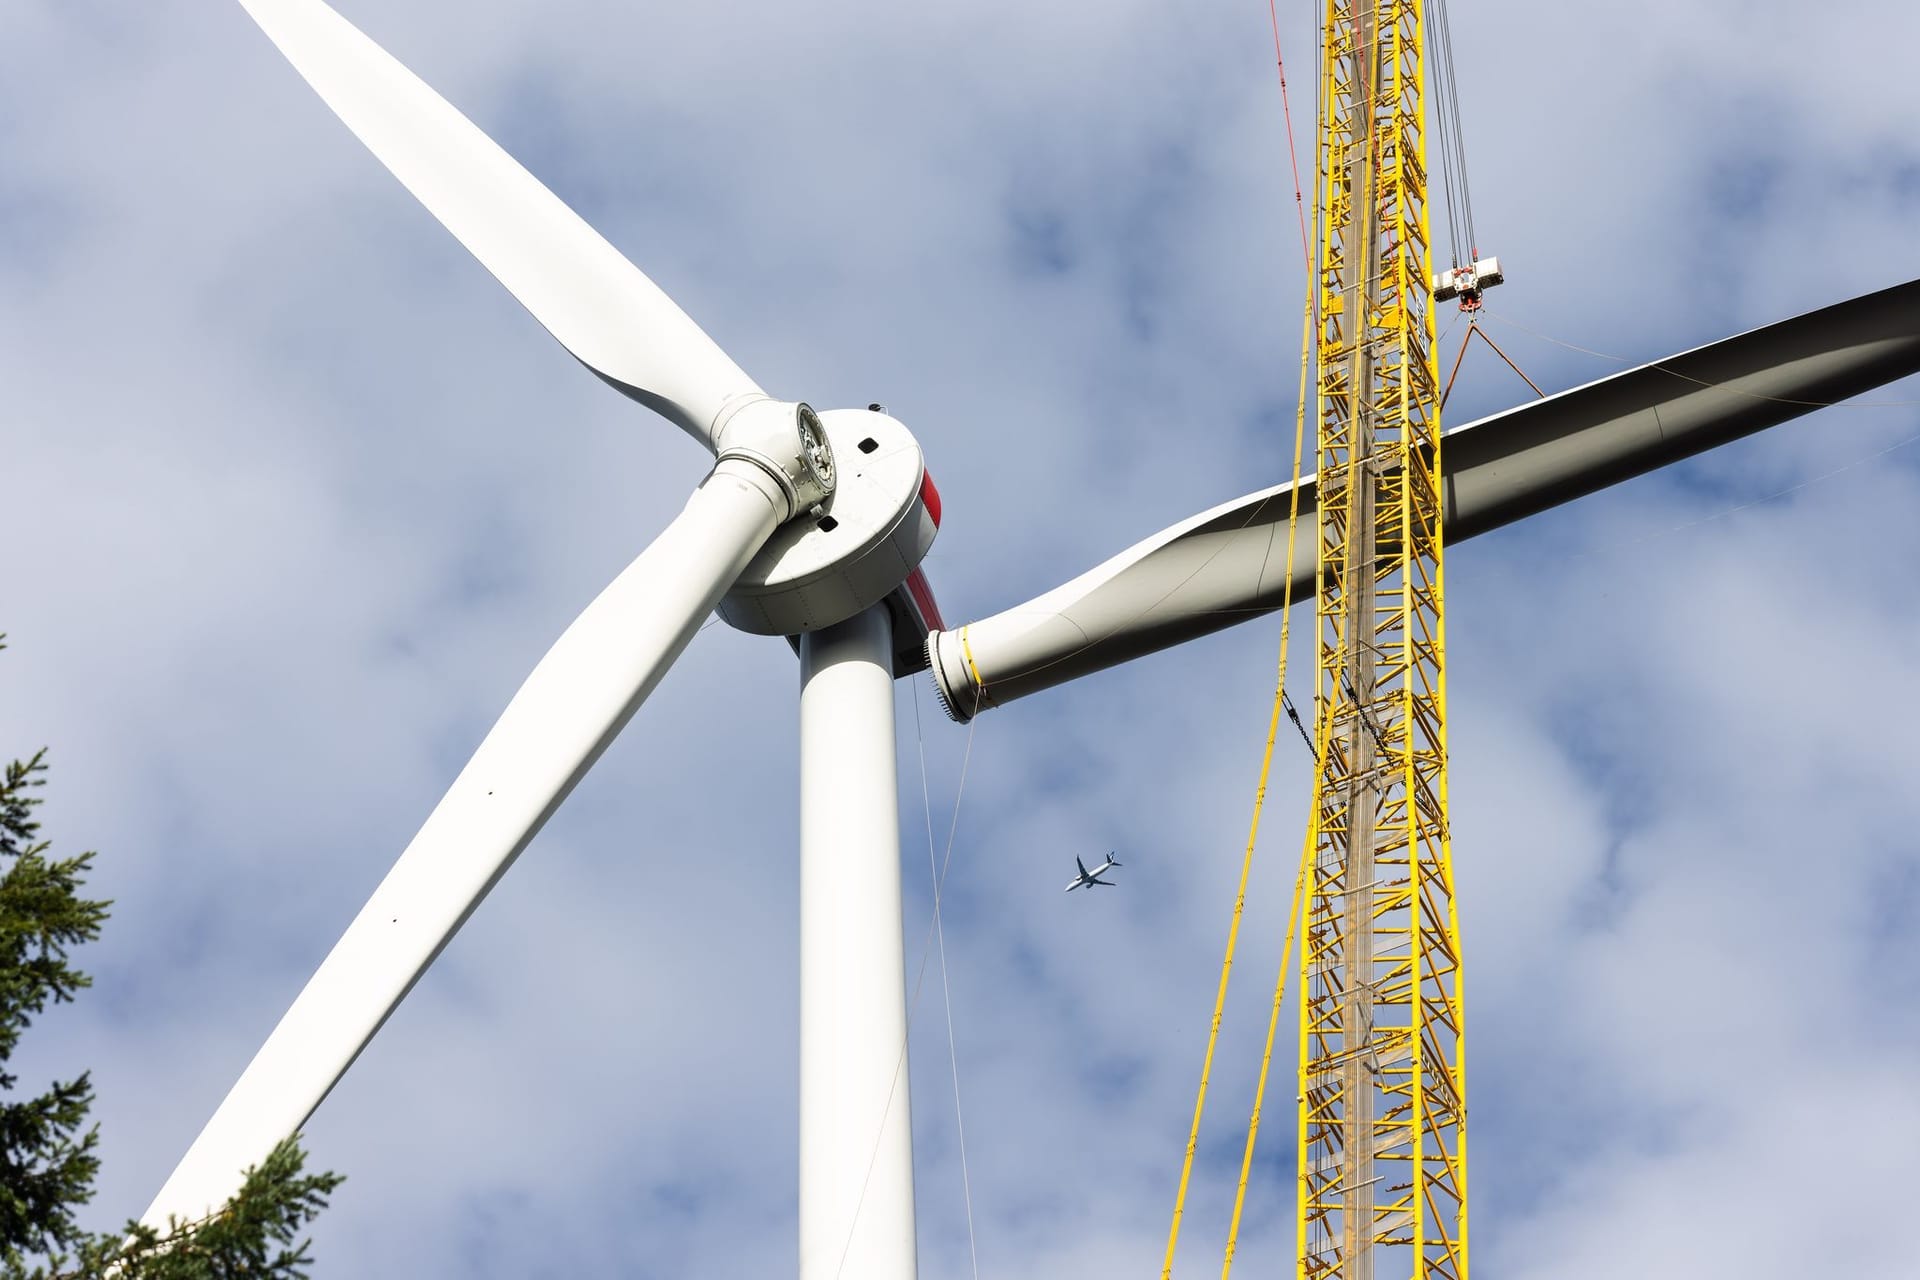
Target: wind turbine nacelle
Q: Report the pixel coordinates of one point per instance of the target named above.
(862, 544)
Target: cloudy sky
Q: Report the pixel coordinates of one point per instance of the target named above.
(296, 495)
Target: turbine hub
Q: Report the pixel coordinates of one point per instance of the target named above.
(852, 551)
(786, 441)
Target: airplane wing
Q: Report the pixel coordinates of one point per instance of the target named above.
(1108, 883)
(1081, 865)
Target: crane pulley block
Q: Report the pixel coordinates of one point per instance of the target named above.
(1467, 283)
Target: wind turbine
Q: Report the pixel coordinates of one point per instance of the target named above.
(814, 525)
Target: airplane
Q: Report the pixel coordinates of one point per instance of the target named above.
(1092, 877)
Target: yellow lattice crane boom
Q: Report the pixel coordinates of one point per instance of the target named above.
(1382, 1133)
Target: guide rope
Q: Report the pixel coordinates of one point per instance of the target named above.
(913, 998)
(1702, 382)
(946, 991)
(1293, 153)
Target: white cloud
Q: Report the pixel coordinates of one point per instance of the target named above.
(299, 495)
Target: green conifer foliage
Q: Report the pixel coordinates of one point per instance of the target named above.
(48, 1147)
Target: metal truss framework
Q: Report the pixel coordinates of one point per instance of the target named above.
(1382, 1133)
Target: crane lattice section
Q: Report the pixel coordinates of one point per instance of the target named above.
(1382, 1137)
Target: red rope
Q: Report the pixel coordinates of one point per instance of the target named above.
(1293, 157)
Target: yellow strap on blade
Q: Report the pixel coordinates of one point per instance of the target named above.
(979, 685)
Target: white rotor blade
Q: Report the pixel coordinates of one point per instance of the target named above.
(600, 306)
(1228, 564)
(568, 711)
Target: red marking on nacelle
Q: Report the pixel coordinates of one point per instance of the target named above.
(930, 496)
(917, 581)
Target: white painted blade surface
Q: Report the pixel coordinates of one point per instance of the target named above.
(1208, 572)
(568, 711)
(1228, 565)
(600, 306)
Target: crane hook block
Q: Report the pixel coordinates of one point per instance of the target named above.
(1467, 283)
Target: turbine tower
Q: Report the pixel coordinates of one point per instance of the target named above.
(813, 526)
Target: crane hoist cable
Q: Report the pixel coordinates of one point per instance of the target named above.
(1462, 241)
(1468, 275)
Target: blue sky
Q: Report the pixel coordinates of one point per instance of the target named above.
(299, 495)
